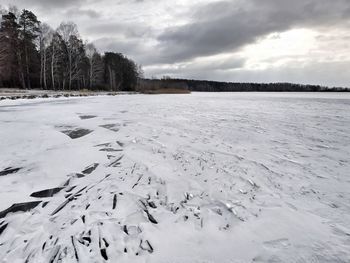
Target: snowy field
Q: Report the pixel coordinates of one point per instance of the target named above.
(241, 177)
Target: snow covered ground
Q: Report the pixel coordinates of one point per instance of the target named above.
(240, 177)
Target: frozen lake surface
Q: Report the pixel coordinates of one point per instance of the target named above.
(231, 177)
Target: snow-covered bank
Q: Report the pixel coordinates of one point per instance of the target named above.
(241, 177)
(13, 94)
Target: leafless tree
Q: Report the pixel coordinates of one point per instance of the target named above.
(96, 67)
(55, 59)
(67, 30)
(45, 39)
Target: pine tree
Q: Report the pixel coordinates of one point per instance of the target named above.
(9, 49)
(29, 32)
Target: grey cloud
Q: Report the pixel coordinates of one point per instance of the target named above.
(222, 65)
(132, 48)
(48, 5)
(116, 45)
(226, 26)
(132, 30)
(82, 12)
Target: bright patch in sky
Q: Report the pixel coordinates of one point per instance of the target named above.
(280, 49)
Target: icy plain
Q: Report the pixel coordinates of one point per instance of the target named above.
(231, 177)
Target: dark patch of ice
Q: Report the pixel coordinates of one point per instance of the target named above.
(104, 254)
(114, 201)
(103, 145)
(86, 117)
(125, 229)
(152, 204)
(77, 133)
(9, 170)
(23, 207)
(2, 228)
(105, 241)
(46, 192)
(88, 239)
(79, 175)
(111, 127)
(151, 218)
(90, 169)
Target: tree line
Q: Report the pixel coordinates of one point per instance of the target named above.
(33, 55)
(216, 86)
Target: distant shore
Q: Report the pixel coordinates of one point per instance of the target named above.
(15, 94)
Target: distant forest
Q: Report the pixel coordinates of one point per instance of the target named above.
(33, 55)
(216, 86)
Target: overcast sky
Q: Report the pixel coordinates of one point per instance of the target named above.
(303, 41)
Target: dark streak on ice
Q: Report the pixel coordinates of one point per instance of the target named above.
(125, 229)
(79, 175)
(71, 198)
(55, 254)
(104, 253)
(105, 241)
(75, 249)
(46, 192)
(71, 189)
(2, 228)
(23, 207)
(43, 246)
(152, 204)
(9, 170)
(148, 247)
(86, 117)
(150, 217)
(116, 162)
(103, 145)
(137, 181)
(114, 201)
(90, 169)
(88, 239)
(110, 150)
(61, 206)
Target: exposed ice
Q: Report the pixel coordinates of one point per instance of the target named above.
(231, 177)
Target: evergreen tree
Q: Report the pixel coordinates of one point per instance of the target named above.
(29, 31)
(9, 50)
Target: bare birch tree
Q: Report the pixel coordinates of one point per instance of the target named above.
(67, 30)
(45, 38)
(96, 67)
